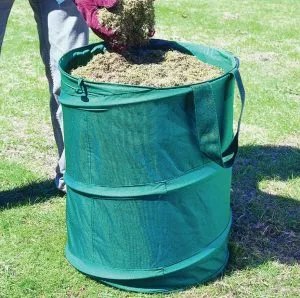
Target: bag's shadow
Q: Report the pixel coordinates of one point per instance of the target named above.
(266, 212)
(33, 193)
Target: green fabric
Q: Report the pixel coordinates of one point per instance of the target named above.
(154, 242)
(181, 279)
(149, 174)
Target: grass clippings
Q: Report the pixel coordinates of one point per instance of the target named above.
(132, 20)
(264, 243)
(153, 68)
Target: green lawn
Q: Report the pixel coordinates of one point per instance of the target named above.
(265, 241)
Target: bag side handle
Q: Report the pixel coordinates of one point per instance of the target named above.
(207, 124)
(232, 149)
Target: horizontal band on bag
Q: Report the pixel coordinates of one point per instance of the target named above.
(100, 271)
(168, 285)
(160, 188)
(117, 96)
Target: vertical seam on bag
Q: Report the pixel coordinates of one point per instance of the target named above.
(88, 149)
(90, 181)
(93, 228)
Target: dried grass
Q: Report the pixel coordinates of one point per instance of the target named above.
(154, 68)
(131, 19)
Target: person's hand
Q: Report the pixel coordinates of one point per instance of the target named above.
(89, 10)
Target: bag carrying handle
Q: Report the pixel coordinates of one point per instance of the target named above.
(207, 124)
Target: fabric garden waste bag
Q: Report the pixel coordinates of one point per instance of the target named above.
(148, 174)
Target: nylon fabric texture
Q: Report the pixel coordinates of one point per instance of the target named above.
(148, 172)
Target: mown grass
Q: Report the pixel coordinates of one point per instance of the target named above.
(265, 237)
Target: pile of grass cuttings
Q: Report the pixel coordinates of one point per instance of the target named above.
(132, 20)
(153, 68)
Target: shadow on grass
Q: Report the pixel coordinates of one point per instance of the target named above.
(36, 192)
(265, 224)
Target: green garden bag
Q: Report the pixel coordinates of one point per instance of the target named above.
(148, 173)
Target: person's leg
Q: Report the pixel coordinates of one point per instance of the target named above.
(61, 28)
(5, 7)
